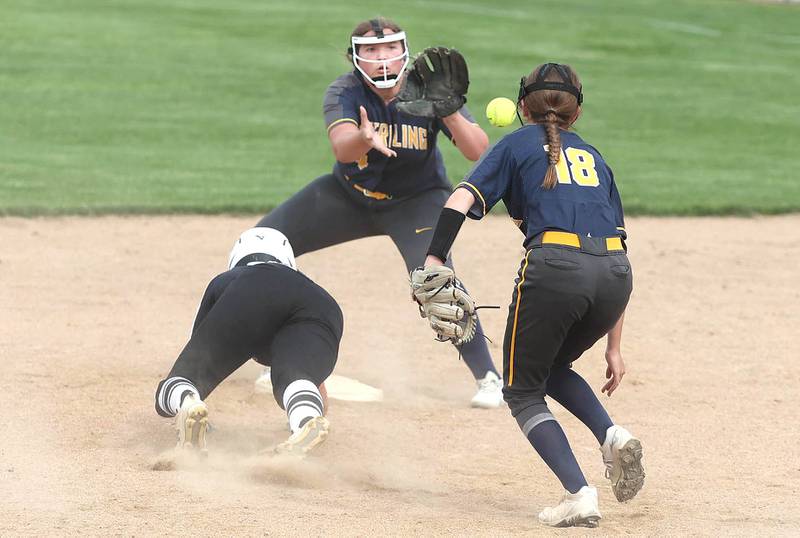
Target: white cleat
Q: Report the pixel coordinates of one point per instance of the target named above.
(577, 509)
(312, 434)
(192, 424)
(622, 455)
(490, 392)
(263, 384)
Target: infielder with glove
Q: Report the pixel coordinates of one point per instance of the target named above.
(573, 286)
(389, 177)
(262, 307)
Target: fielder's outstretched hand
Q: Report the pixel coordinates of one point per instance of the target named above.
(371, 136)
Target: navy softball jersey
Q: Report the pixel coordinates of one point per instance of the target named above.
(585, 201)
(418, 166)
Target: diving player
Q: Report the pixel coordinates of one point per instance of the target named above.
(261, 307)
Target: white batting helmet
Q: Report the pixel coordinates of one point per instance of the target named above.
(261, 245)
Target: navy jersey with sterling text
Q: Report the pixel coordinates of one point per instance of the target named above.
(418, 166)
(584, 201)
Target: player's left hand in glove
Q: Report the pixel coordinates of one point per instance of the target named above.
(445, 303)
(436, 84)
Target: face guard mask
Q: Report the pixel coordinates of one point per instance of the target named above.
(386, 80)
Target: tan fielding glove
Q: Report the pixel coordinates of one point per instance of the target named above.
(445, 303)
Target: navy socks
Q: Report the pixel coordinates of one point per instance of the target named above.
(569, 389)
(550, 442)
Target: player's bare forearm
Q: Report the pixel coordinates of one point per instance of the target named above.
(433, 260)
(615, 335)
(461, 200)
(348, 143)
(469, 138)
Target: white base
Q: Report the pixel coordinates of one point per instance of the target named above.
(351, 390)
(339, 387)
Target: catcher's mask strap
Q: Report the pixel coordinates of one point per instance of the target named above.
(376, 27)
(379, 37)
(540, 84)
(373, 39)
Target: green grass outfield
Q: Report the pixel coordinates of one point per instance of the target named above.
(118, 106)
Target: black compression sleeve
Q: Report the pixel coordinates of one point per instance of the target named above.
(447, 228)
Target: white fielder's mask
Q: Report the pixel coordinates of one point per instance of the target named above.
(386, 80)
(261, 245)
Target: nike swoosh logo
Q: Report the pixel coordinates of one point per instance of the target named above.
(420, 230)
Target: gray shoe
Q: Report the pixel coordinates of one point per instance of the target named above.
(312, 434)
(622, 455)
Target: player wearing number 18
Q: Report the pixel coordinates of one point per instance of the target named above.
(573, 286)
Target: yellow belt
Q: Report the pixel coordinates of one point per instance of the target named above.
(371, 194)
(573, 240)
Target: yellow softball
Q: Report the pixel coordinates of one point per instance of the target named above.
(501, 111)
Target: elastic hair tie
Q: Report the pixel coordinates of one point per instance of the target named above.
(544, 116)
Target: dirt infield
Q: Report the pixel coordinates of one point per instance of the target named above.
(94, 311)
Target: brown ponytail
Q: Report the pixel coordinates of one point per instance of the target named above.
(554, 148)
(555, 110)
